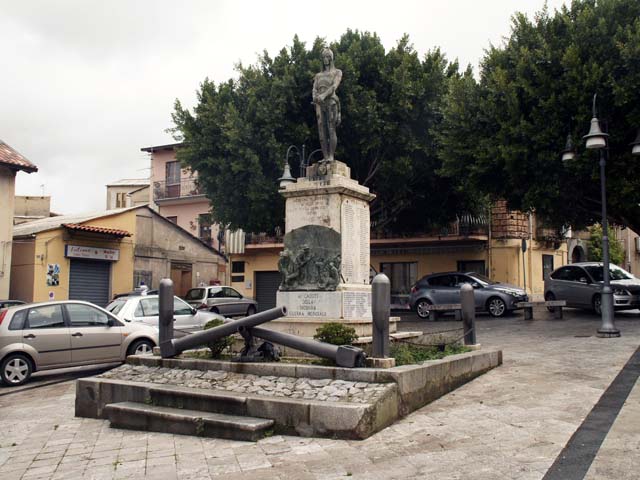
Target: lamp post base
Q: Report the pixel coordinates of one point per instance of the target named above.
(608, 333)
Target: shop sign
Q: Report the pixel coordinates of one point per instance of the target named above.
(95, 253)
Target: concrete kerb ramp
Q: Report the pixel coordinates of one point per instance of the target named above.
(207, 397)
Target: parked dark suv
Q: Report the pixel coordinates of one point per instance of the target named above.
(580, 285)
(444, 288)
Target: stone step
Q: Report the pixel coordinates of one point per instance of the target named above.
(155, 418)
(201, 400)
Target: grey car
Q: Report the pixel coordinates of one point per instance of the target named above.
(226, 301)
(444, 288)
(580, 285)
(69, 333)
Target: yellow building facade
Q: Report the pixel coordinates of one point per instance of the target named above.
(94, 257)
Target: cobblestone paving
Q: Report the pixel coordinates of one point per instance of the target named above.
(511, 423)
(305, 388)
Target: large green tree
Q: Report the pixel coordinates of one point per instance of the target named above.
(504, 133)
(237, 134)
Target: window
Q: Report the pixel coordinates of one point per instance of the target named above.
(442, 281)
(142, 277)
(17, 322)
(49, 316)
(213, 292)
(172, 171)
(195, 294)
(180, 307)
(121, 200)
(173, 219)
(237, 267)
(547, 266)
(85, 316)
(147, 307)
(204, 226)
(230, 293)
(402, 277)
(476, 266)
(562, 274)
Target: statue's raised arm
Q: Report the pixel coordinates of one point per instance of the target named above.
(327, 104)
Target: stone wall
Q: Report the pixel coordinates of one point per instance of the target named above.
(507, 223)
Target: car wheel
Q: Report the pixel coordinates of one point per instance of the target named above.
(16, 369)
(214, 310)
(550, 297)
(597, 304)
(141, 347)
(496, 307)
(251, 310)
(421, 308)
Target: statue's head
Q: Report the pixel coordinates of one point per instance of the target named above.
(327, 57)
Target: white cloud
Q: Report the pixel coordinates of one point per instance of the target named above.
(87, 83)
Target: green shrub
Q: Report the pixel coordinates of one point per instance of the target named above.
(217, 346)
(336, 334)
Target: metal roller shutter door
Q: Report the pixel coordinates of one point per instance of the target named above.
(267, 284)
(89, 281)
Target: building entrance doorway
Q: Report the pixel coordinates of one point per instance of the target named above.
(181, 277)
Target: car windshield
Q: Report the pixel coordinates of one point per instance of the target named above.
(482, 280)
(194, 294)
(115, 306)
(615, 273)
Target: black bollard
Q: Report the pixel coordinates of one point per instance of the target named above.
(468, 306)
(380, 310)
(165, 307)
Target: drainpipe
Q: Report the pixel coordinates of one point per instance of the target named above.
(490, 249)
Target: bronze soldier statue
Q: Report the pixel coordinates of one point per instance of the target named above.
(327, 104)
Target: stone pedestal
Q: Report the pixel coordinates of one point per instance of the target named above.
(327, 217)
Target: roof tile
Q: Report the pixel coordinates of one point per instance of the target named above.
(9, 156)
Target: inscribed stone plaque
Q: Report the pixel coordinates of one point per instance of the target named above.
(322, 210)
(355, 241)
(311, 304)
(356, 305)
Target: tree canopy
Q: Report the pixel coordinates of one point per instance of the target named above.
(237, 135)
(504, 134)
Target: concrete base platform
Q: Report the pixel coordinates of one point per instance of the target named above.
(305, 400)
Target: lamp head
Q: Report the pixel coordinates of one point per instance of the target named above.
(596, 139)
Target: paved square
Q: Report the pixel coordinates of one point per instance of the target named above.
(511, 423)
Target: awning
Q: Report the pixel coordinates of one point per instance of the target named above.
(92, 229)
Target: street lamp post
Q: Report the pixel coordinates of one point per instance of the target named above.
(597, 140)
(304, 162)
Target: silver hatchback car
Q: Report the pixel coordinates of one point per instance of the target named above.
(226, 301)
(69, 333)
(444, 288)
(580, 285)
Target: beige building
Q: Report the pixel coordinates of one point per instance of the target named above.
(11, 162)
(95, 256)
(129, 192)
(176, 195)
(491, 246)
(30, 208)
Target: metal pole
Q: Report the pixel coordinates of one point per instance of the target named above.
(468, 306)
(607, 327)
(171, 348)
(343, 355)
(380, 309)
(165, 308)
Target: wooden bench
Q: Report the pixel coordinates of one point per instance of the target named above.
(555, 304)
(435, 310)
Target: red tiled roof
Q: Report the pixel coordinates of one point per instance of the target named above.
(9, 156)
(89, 228)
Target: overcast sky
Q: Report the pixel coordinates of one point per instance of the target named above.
(85, 84)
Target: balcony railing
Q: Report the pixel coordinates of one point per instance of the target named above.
(182, 189)
(464, 226)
